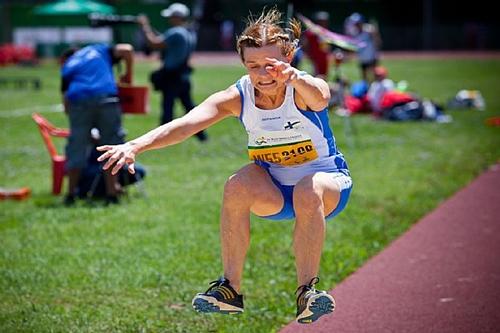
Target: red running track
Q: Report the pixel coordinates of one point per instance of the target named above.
(443, 275)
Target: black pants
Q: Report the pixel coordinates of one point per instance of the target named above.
(182, 90)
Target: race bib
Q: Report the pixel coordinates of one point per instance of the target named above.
(281, 147)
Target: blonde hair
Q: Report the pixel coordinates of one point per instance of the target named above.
(267, 30)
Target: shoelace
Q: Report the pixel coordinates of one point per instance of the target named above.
(306, 287)
(216, 283)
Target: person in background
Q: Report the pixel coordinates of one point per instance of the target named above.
(92, 184)
(377, 89)
(177, 43)
(227, 34)
(368, 38)
(296, 170)
(91, 100)
(388, 101)
(317, 50)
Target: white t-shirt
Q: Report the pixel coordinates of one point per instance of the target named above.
(376, 92)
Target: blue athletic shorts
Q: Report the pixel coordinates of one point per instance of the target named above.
(287, 212)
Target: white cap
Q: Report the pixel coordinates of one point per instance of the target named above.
(176, 9)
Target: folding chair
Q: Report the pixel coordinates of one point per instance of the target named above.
(47, 130)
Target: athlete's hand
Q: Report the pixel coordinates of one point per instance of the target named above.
(117, 156)
(281, 71)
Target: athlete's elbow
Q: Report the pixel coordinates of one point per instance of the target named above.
(321, 101)
(325, 95)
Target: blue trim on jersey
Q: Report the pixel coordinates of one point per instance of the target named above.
(242, 96)
(287, 212)
(320, 119)
(323, 115)
(265, 165)
(341, 163)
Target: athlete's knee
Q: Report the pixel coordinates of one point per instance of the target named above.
(307, 198)
(235, 186)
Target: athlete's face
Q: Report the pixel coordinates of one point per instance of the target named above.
(259, 68)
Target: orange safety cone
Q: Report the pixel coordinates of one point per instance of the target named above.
(493, 121)
(14, 193)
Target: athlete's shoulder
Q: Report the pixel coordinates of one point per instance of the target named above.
(243, 81)
(227, 100)
(233, 99)
(231, 92)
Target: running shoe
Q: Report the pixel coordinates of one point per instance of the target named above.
(312, 303)
(220, 297)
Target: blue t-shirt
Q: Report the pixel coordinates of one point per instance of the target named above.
(89, 73)
(180, 43)
(368, 51)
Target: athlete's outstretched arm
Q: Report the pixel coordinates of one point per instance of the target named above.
(215, 108)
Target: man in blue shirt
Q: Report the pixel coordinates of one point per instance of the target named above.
(91, 100)
(177, 44)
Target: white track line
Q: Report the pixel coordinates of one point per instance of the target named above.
(28, 111)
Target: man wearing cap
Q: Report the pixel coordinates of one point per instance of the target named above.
(177, 43)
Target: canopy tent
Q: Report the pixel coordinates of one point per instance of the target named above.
(73, 7)
(65, 23)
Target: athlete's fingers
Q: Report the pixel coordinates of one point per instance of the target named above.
(107, 165)
(118, 166)
(276, 73)
(273, 60)
(116, 156)
(288, 71)
(105, 155)
(130, 162)
(129, 159)
(277, 63)
(292, 73)
(272, 71)
(104, 148)
(131, 168)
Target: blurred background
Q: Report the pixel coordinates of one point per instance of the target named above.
(405, 25)
(134, 267)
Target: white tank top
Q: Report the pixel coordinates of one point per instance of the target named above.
(289, 142)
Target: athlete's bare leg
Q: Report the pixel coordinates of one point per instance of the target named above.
(314, 197)
(249, 190)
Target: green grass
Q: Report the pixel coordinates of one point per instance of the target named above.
(135, 267)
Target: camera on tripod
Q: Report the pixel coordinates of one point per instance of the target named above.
(103, 20)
